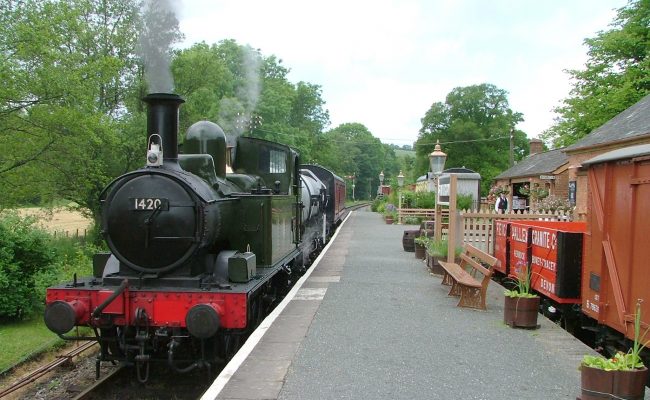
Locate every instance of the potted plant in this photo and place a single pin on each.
(421, 243)
(621, 377)
(438, 250)
(521, 305)
(390, 213)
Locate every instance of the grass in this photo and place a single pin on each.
(20, 341)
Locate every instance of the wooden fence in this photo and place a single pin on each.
(477, 227)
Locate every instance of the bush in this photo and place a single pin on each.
(464, 201)
(378, 205)
(25, 251)
(425, 200)
(31, 260)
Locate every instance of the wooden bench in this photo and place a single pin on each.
(463, 278)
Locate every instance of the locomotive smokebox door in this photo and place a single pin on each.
(242, 267)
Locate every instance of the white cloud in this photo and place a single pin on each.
(383, 63)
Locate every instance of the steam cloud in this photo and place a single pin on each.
(235, 113)
(160, 27)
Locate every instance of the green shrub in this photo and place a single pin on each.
(25, 252)
(378, 205)
(73, 257)
(425, 200)
(464, 201)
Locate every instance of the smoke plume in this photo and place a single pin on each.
(235, 113)
(159, 31)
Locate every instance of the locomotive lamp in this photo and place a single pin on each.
(154, 154)
(400, 183)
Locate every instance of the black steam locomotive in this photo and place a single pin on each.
(202, 245)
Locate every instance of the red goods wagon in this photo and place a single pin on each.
(616, 268)
(556, 259)
(501, 245)
(553, 249)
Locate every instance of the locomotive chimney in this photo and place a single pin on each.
(162, 120)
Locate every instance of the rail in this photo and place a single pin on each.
(39, 372)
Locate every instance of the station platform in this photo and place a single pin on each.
(370, 322)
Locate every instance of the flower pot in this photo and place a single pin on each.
(596, 384)
(389, 220)
(420, 251)
(630, 384)
(521, 312)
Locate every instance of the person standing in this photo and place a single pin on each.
(501, 205)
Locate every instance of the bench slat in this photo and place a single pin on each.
(476, 265)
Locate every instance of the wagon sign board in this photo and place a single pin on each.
(552, 249)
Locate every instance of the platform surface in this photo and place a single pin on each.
(371, 322)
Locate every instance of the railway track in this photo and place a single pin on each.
(45, 369)
(119, 377)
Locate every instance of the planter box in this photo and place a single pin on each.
(434, 266)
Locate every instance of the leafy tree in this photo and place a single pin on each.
(70, 72)
(617, 75)
(351, 150)
(473, 126)
(246, 92)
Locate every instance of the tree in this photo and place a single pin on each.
(617, 75)
(351, 150)
(70, 71)
(245, 92)
(473, 126)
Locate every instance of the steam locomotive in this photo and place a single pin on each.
(202, 245)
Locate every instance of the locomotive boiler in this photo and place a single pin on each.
(200, 250)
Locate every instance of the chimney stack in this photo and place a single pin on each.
(536, 146)
(162, 119)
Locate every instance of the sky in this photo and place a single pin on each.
(383, 63)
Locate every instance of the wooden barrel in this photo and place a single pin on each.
(408, 239)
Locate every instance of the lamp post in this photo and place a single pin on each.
(437, 163)
(381, 184)
(400, 182)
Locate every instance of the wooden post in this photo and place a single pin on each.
(451, 235)
(437, 222)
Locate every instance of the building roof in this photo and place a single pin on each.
(618, 154)
(634, 121)
(536, 164)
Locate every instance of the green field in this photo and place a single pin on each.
(20, 341)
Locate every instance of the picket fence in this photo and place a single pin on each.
(476, 227)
